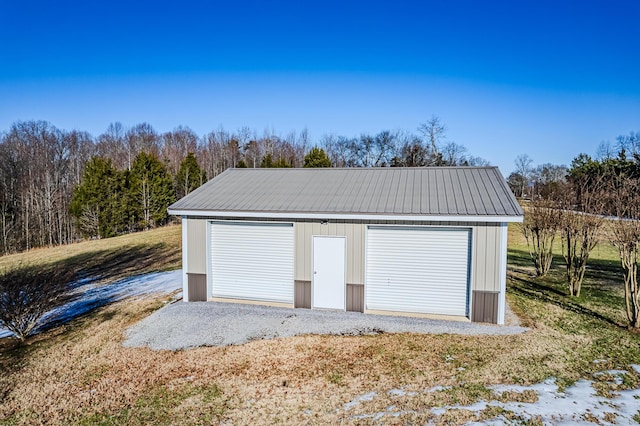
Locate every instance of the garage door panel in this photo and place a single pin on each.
(422, 270)
(252, 261)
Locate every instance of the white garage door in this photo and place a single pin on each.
(252, 261)
(421, 270)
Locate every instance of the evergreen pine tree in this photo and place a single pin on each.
(267, 161)
(189, 176)
(317, 158)
(152, 189)
(93, 200)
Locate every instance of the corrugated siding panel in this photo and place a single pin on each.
(480, 259)
(304, 232)
(252, 261)
(485, 307)
(485, 255)
(486, 260)
(196, 246)
(355, 234)
(355, 297)
(356, 255)
(302, 294)
(197, 287)
(421, 270)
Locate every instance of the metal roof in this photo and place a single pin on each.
(418, 193)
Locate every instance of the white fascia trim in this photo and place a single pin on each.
(355, 216)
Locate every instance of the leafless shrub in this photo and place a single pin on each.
(625, 236)
(579, 238)
(541, 223)
(581, 221)
(27, 293)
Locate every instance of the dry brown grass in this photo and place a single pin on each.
(80, 373)
(157, 249)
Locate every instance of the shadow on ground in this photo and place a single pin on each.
(96, 278)
(548, 294)
(114, 264)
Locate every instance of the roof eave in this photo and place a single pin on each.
(347, 216)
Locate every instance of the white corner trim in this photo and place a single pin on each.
(344, 216)
(502, 297)
(185, 260)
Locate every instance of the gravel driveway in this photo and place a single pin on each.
(187, 325)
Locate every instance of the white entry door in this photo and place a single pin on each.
(329, 272)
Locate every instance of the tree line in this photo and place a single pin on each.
(57, 186)
(591, 202)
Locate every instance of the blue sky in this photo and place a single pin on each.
(551, 79)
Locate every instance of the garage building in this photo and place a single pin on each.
(428, 241)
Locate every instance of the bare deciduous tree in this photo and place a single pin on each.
(29, 292)
(625, 236)
(434, 131)
(542, 220)
(580, 229)
(176, 145)
(523, 168)
(579, 238)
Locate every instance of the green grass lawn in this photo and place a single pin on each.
(79, 373)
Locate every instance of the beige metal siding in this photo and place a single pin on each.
(486, 258)
(196, 246)
(354, 233)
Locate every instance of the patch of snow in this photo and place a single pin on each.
(569, 407)
(362, 398)
(389, 411)
(575, 405)
(88, 294)
(599, 361)
(616, 374)
(636, 368)
(400, 392)
(476, 407)
(548, 385)
(438, 411)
